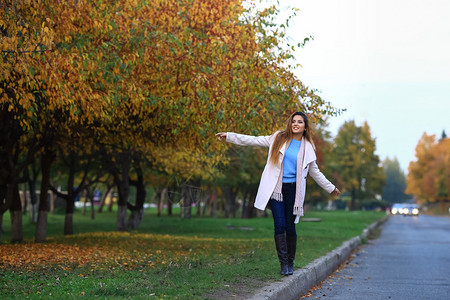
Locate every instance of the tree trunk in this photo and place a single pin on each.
(41, 226)
(230, 201)
(70, 199)
(5, 203)
(198, 205)
(161, 200)
(16, 226)
(105, 196)
(68, 224)
(157, 196)
(1, 227)
(214, 205)
(33, 199)
(206, 202)
(137, 211)
(353, 199)
(186, 207)
(122, 180)
(34, 213)
(245, 204)
(135, 218)
(102, 202)
(24, 199)
(86, 193)
(111, 202)
(91, 199)
(52, 199)
(121, 218)
(70, 208)
(16, 215)
(251, 204)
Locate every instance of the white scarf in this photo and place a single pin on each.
(277, 194)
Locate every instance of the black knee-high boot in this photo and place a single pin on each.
(291, 242)
(281, 245)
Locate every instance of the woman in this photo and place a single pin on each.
(283, 182)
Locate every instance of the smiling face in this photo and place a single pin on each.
(298, 125)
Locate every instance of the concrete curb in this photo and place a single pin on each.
(298, 284)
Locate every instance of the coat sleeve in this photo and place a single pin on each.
(318, 177)
(248, 140)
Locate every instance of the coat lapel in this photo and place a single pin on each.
(310, 154)
(283, 149)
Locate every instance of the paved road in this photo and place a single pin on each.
(410, 260)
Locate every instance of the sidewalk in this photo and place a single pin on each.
(298, 284)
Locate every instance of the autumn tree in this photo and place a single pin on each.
(429, 175)
(19, 41)
(420, 179)
(355, 161)
(40, 88)
(394, 190)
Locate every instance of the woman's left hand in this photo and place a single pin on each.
(336, 192)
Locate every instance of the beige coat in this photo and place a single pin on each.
(271, 172)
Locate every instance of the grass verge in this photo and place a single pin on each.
(167, 258)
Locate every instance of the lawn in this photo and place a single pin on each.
(166, 258)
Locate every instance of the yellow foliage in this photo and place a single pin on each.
(159, 76)
(429, 176)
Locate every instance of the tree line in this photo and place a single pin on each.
(130, 91)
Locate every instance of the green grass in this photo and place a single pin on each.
(167, 257)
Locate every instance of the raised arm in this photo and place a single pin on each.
(244, 140)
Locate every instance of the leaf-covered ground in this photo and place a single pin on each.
(154, 262)
(116, 249)
(202, 258)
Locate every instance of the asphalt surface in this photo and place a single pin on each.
(410, 260)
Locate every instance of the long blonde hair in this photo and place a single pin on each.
(286, 135)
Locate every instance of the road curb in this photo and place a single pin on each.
(298, 284)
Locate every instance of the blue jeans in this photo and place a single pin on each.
(282, 212)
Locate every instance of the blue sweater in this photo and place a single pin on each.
(290, 162)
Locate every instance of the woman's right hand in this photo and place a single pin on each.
(221, 136)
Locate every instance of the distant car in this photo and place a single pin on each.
(397, 208)
(411, 210)
(406, 209)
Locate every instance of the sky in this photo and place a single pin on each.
(386, 62)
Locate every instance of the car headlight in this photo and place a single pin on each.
(405, 211)
(400, 211)
(394, 211)
(415, 211)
